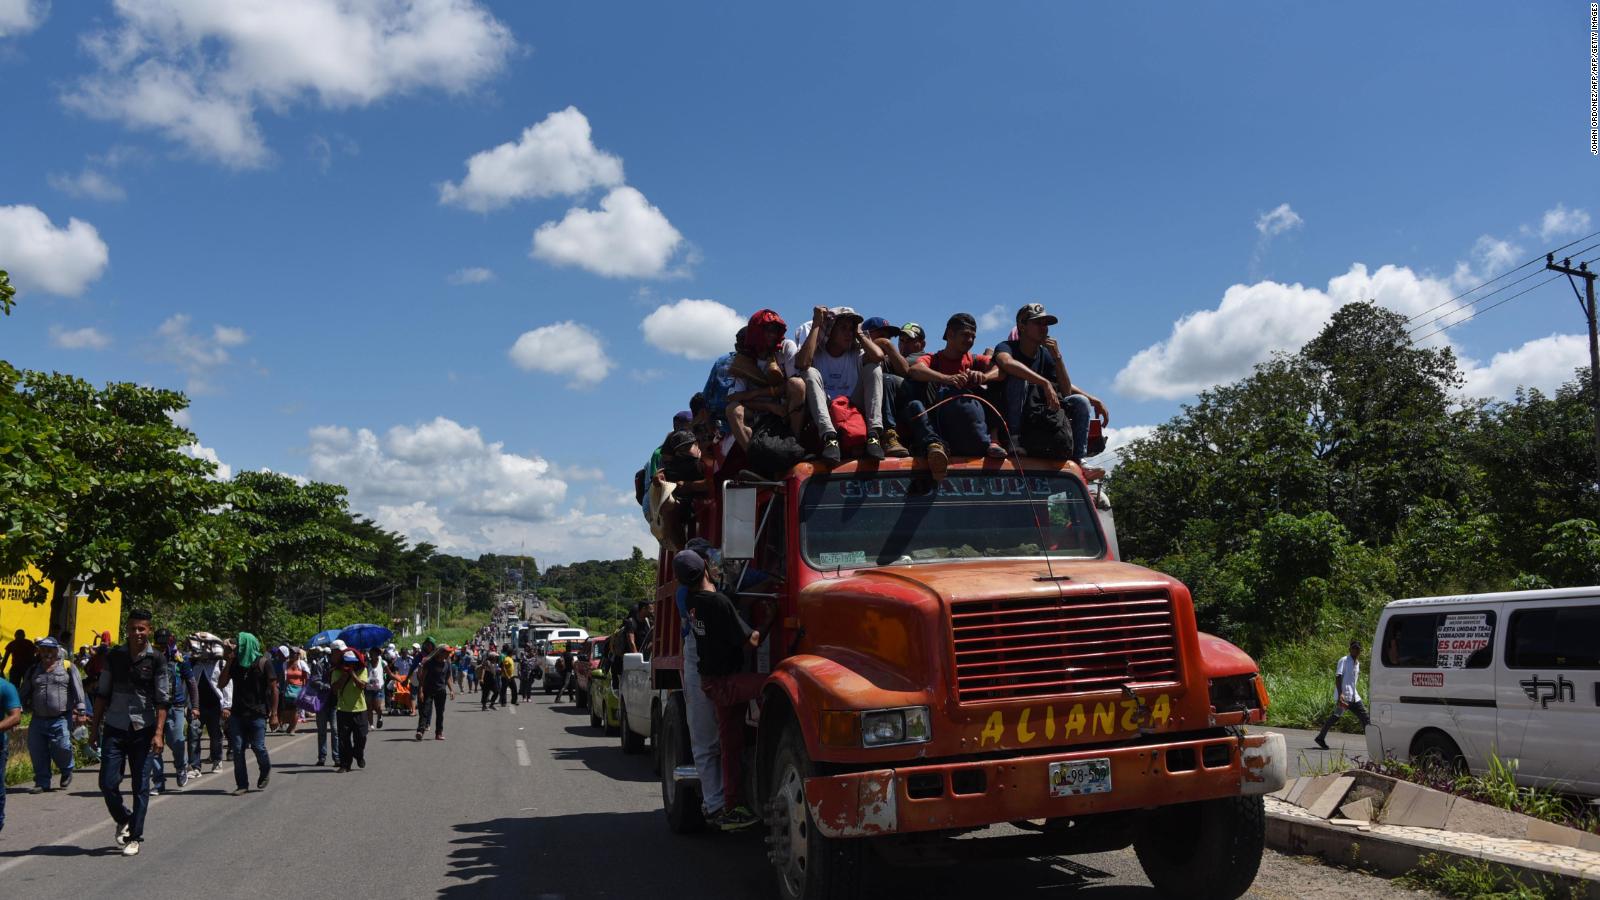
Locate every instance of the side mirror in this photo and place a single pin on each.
(738, 521)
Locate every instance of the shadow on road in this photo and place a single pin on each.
(607, 760)
(558, 857)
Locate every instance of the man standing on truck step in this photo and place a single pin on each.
(701, 715)
(1345, 693)
(722, 637)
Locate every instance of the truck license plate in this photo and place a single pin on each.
(1083, 776)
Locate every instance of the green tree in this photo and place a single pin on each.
(1571, 556)
(8, 294)
(132, 511)
(287, 530)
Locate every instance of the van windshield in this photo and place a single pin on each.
(894, 519)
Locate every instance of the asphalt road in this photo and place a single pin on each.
(525, 802)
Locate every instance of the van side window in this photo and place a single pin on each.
(1557, 637)
(1459, 639)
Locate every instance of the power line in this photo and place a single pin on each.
(1503, 287)
(1485, 309)
(1502, 275)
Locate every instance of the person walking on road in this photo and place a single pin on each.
(214, 698)
(255, 707)
(131, 701)
(432, 677)
(53, 693)
(489, 677)
(10, 717)
(177, 718)
(296, 675)
(508, 676)
(322, 670)
(349, 686)
(1346, 695)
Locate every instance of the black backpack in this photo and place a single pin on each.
(774, 450)
(1046, 432)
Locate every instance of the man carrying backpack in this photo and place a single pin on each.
(53, 693)
(131, 701)
(1045, 412)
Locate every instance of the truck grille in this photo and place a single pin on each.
(1041, 647)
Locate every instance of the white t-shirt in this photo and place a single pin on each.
(784, 353)
(839, 373)
(1349, 673)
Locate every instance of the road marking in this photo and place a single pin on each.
(82, 833)
(522, 754)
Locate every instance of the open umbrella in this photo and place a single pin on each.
(323, 638)
(366, 637)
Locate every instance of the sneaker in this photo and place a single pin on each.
(322, 760)
(131, 848)
(240, 792)
(874, 448)
(830, 449)
(892, 445)
(1320, 742)
(157, 790)
(38, 789)
(261, 783)
(938, 462)
(66, 780)
(212, 769)
(419, 735)
(736, 819)
(181, 782)
(996, 451)
(438, 737)
(361, 763)
(124, 834)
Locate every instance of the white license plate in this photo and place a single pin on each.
(1083, 776)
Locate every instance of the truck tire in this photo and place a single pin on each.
(632, 744)
(809, 865)
(1208, 850)
(681, 803)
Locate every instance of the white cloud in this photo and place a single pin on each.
(1545, 363)
(578, 472)
(565, 348)
(42, 257)
(198, 354)
(89, 183)
(1278, 221)
(1117, 440)
(994, 318)
(695, 329)
(625, 238)
(197, 70)
(183, 418)
(471, 275)
(199, 451)
(1213, 346)
(78, 338)
(1494, 256)
(556, 157)
(1562, 222)
(18, 17)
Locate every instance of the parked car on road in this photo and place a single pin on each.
(1514, 674)
(591, 657)
(605, 707)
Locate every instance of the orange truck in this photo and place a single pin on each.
(946, 656)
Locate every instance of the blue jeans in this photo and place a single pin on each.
(327, 734)
(130, 749)
(49, 739)
(177, 725)
(962, 425)
(1077, 406)
(254, 732)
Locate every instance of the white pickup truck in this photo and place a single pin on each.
(640, 704)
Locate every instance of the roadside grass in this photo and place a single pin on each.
(1300, 683)
(1481, 879)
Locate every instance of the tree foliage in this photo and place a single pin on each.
(1333, 479)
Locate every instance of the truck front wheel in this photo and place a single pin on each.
(811, 866)
(1208, 850)
(681, 802)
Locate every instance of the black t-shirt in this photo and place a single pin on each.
(720, 634)
(252, 687)
(682, 468)
(436, 676)
(1042, 362)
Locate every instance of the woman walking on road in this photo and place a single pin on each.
(296, 675)
(489, 677)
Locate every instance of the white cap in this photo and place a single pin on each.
(416, 646)
(339, 645)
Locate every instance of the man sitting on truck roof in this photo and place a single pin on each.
(721, 638)
(961, 422)
(894, 370)
(765, 378)
(837, 360)
(1034, 371)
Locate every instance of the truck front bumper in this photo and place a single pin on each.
(976, 794)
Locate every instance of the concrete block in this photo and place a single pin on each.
(1326, 804)
(1361, 810)
(1314, 788)
(1283, 792)
(1550, 833)
(1471, 817)
(1419, 807)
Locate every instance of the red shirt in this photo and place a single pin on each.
(944, 365)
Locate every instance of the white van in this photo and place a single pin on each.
(1513, 674)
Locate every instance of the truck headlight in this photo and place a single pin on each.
(906, 725)
(1234, 693)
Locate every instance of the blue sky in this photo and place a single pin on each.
(277, 210)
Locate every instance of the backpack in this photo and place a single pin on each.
(639, 486)
(848, 424)
(1046, 432)
(773, 448)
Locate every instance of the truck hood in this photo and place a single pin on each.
(960, 580)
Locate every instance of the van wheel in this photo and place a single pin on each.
(1208, 850)
(1437, 747)
(682, 803)
(810, 865)
(631, 743)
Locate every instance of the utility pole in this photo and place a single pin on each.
(1586, 300)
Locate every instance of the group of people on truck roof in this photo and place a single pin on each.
(845, 385)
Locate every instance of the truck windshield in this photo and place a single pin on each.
(857, 520)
